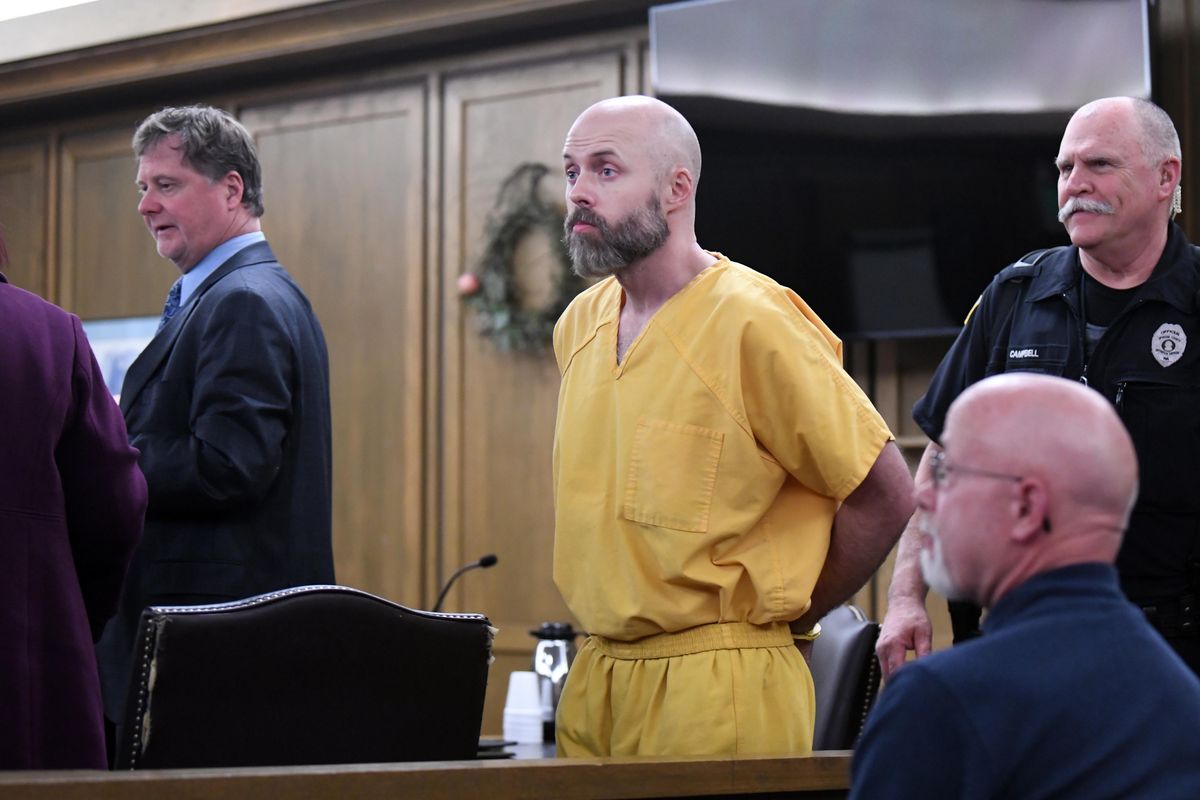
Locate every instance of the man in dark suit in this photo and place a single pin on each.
(71, 506)
(229, 403)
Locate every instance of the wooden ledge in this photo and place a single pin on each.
(821, 775)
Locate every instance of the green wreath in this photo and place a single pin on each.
(492, 292)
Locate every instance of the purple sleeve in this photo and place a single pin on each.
(103, 488)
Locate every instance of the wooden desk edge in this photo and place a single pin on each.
(822, 774)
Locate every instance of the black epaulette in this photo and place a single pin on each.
(1027, 266)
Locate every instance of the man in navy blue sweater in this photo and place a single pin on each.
(1069, 693)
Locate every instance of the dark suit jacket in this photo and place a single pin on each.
(229, 406)
(71, 505)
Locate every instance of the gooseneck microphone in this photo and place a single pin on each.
(483, 563)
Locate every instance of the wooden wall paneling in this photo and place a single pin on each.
(873, 365)
(54, 204)
(640, 55)
(24, 214)
(899, 372)
(296, 40)
(434, 286)
(499, 408)
(916, 361)
(1176, 36)
(1189, 116)
(344, 179)
(108, 263)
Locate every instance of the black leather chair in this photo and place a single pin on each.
(310, 675)
(845, 676)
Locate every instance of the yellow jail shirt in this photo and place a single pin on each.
(696, 481)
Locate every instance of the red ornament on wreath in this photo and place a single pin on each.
(467, 284)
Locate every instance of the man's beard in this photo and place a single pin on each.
(612, 248)
(1083, 204)
(933, 566)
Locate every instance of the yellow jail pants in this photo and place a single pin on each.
(720, 689)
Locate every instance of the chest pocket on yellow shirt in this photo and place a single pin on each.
(672, 473)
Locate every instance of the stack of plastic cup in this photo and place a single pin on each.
(523, 708)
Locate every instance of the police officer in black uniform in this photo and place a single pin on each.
(1118, 310)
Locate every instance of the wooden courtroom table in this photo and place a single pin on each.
(821, 775)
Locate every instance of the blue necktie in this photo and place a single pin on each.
(172, 304)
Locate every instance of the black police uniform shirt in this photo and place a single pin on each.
(1147, 363)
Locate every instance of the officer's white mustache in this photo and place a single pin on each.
(1083, 204)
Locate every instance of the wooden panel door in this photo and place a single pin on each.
(109, 265)
(344, 180)
(498, 407)
(23, 215)
(1175, 31)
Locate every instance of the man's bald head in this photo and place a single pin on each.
(1057, 429)
(664, 133)
(1036, 473)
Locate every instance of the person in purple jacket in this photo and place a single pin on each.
(72, 501)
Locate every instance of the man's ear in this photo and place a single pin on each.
(681, 188)
(1168, 176)
(1033, 511)
(235, 189)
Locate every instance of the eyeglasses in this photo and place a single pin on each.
(942, 470)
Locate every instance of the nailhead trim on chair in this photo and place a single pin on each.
(262, 599)
(143, 700)
(873, 677)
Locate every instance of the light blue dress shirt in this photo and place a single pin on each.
(215, 258)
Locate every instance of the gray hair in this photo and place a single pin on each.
(212, 142)
(1160, 140)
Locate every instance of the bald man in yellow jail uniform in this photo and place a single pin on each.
(720, 481)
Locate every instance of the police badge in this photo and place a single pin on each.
(1168, 344)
